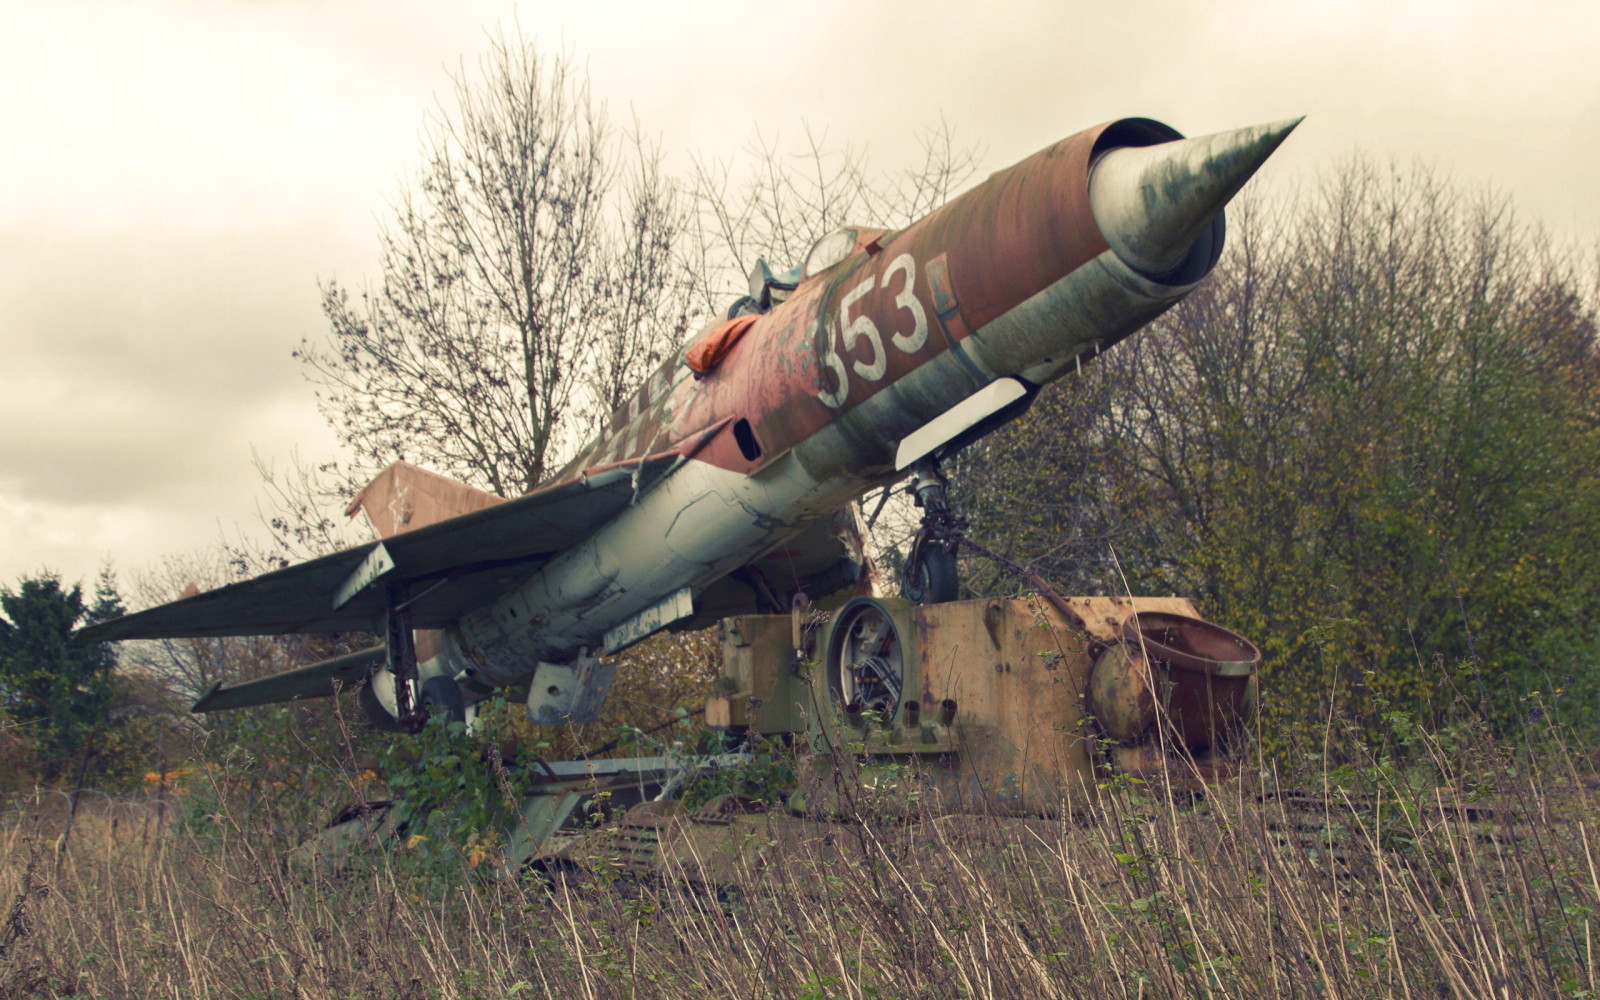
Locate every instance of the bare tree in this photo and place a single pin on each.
(522, 286)
(539, 267)
(774, 204)
(651, 289)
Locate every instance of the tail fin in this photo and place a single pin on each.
(404, 497)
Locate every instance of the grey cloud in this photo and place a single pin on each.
(132, 366)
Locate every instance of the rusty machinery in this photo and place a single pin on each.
(1002, 707)
(1014, 707)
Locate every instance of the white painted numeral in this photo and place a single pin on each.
(841, 340)
(862, 326)
(831, 362)
(907, 300)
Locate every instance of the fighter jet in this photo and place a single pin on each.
(726, 485)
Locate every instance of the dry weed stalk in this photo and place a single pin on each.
(1384, 886)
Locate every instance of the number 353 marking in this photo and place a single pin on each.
(908, 338)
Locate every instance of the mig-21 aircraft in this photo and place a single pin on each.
(725, 486)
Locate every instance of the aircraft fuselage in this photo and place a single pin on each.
(1014, 279)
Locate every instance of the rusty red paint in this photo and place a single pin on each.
(960, 268)
(1191, 643)
(972, 260)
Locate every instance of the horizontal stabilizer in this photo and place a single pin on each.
(319, 680)
(446, 568)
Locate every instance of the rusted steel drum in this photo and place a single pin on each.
(1192, 644)
(1199, 678)
(1120, 696)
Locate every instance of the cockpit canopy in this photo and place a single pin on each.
(769, 288)
(828, 251)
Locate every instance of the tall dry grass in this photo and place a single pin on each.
(1376, 883)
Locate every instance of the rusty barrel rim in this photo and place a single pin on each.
(1186, 643)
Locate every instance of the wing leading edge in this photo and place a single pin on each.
(450, 567)
(318, 680)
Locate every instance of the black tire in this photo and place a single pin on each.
(932, 578)
(442, 696)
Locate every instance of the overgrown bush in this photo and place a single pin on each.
(1366, 442)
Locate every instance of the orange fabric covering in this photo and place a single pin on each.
(708, 351)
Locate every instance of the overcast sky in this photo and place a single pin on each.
(177, 175)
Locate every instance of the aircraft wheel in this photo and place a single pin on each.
(865, 659)
(443, 695)
(932, 577)
(374, 711)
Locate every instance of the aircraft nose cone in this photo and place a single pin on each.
(1152, 202)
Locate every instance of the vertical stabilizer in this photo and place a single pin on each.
(404, 497)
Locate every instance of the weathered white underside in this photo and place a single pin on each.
(703, 522)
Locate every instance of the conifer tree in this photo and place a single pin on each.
(55, 685)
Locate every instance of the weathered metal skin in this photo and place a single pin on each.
(1021, 739)
(1013, 278)
(873, 361)
(912, 298)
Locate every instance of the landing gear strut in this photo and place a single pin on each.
(402, 661)
(930, 575)
(415, 700)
